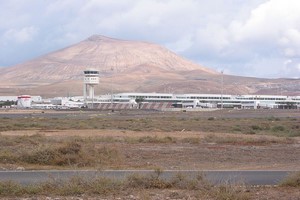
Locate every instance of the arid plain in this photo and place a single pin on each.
(137, 139)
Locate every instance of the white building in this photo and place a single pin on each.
(207, 100)
(24, 101)
(91, 78)
(175, 100)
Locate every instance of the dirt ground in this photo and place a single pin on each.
(190, 150)
(189, 155)
(261, 193)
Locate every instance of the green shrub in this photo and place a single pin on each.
(9, 188)
(293, 134)
(237, 128)
(7, 157)
(256, 127)
(191, 140)
(278, 128)
(272, 118)
(250, 132)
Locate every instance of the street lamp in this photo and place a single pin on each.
(222, 84)
(111, 92)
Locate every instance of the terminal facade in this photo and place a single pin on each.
(152, 100)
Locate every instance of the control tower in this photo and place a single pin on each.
(91, 78)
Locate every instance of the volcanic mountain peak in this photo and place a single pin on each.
(102, 53)
(125, 66)
(102, 38)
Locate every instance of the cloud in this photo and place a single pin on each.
(252, 38)
(273, 29)
(22, 35)
(259, 43)
(290, 42)
(270, 20)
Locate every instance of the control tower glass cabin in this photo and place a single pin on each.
(91, 78)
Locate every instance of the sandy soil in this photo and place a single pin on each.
(183, 155)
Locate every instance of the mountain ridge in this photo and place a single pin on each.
(126, 66)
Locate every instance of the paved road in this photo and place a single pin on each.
(215, 177)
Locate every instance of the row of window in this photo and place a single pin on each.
(204, 97)
(149, 97)
(210, 97)
(91, 72)
(91, 79)
(261, 98)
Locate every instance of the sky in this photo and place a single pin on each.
(257, 38)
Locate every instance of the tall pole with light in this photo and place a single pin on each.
(222, 85)
(111, 92)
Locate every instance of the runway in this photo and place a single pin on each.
(215, 177)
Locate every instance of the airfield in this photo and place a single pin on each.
(228, 139)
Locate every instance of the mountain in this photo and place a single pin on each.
(102, 53)
(126, 66)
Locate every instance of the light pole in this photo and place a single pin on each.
(111, 92)
(222, 83)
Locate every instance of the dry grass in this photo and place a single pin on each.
(103, 187)
(38, 150)
(238, 140)
(283, 127)
(104, 151)
(293, 180)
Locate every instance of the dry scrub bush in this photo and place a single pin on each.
(10, 188)
(73, 153)
(293, 180)
(150, 139)
(155, 181)
(227, 192)
(212, 138)
(70, 153)
(146, 182)
(155, 139)
(191, 140)
(104, 187)
(21, 140)
(180, 181)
